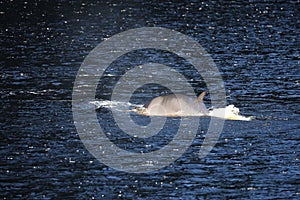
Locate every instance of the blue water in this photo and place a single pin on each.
(255, 46)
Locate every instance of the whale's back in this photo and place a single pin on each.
(176, 105)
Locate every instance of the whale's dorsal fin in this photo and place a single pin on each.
(201, 96)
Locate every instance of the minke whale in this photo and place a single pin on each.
(172, 105)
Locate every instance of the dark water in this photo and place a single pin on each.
(255, 46)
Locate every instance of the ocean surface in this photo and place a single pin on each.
(255, 46)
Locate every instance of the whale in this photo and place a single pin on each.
(175, 105)
(178, 105)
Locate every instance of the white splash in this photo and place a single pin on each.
(230, 112)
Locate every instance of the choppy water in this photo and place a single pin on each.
(255, 46)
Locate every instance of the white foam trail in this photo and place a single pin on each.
(117, 105)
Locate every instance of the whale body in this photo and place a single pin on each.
(176, 105)
(181, 105)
